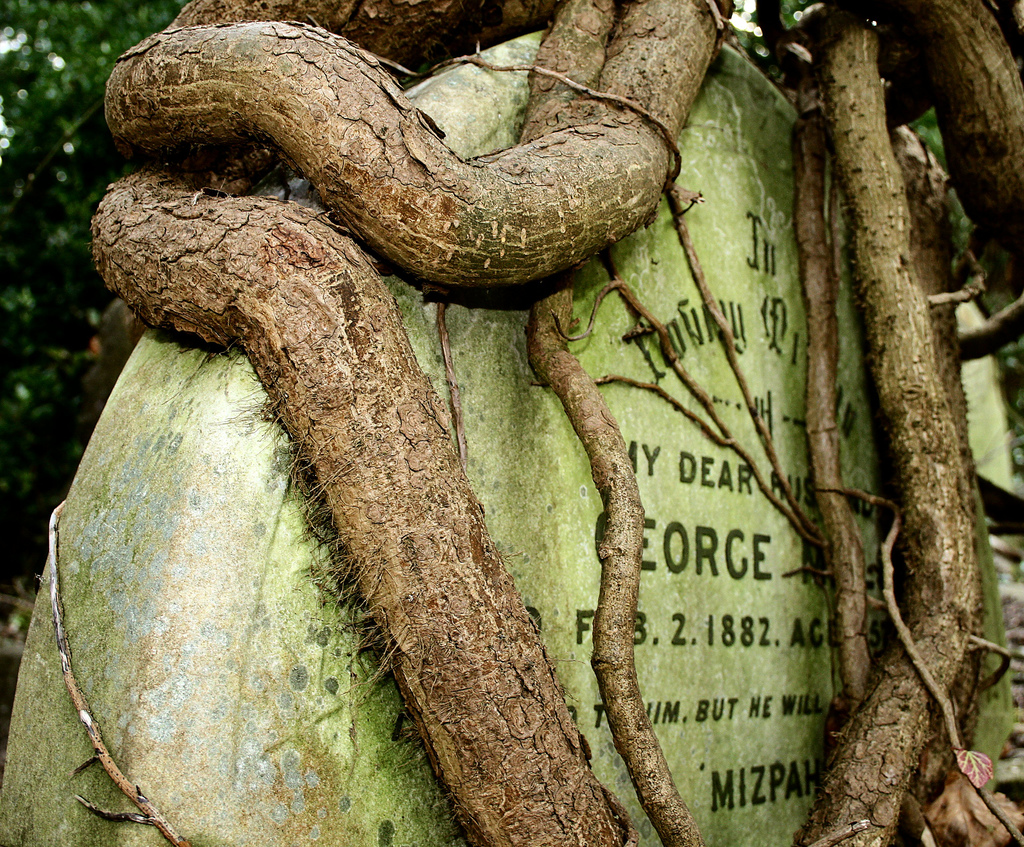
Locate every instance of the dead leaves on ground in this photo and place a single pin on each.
(960, 818)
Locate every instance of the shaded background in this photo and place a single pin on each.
(56, 159)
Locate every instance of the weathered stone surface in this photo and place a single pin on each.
(986, 410)
(990, 440)
(223, 683)
(234, 695)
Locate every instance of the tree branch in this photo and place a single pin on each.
(844, 551)
(677, 202)
(1004, 327)
(407, 32)
(150, 814)
(979, 101)
(577, 39)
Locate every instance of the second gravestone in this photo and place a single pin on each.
(232, 689)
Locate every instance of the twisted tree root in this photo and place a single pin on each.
(326, 340)
(344, 123)
(309, 313)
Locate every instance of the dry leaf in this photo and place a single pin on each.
(960, 818)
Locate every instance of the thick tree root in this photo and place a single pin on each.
(575, 45)
(931, 255)
(328, 346)
(887, 733)
(979, 101)
(326, 340)
(379, 163)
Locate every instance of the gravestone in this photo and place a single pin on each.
(232, 688)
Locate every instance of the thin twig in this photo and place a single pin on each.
(613, 284)
(401, 70)
(697, 392)
(1000, 813)
(729, 343)
(117, 817)
(972, 290)
(723, 439)
(1005, 657)
(150, 815)
(906, 639)
(721, 26)
(30, 180)
(840, 835)
(999, 649)
(860, 494)
(453, 384)
(586, 91)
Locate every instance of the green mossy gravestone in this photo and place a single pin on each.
(232, 690)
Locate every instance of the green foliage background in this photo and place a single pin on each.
(56, 159)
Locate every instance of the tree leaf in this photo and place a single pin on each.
(977, 767)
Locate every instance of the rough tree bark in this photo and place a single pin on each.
(844, 552)
(931, 258)
(403, 32)
(979, 101)
(326, 339)
(871, 770)
(304, 303)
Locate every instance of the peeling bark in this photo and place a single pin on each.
(877, 753)
(326, 340)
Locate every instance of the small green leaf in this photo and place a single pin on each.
(977, 767)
